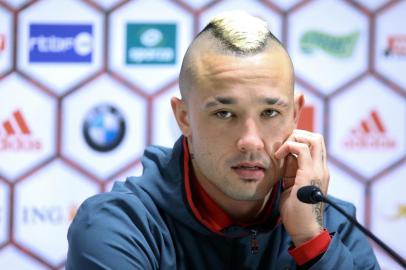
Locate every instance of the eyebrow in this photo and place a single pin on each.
(273, 101)
(221, 100)
(230, 101)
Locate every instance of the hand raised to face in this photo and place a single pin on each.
(305, 164)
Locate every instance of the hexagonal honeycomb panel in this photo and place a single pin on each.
(369, 134)
(104, 126)
(27, 133)
(389, 206)
(149, 43)
(53, 45)
(46, 203)
(86, 85)
(390, 49)
(336, 43)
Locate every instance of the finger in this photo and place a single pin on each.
(315, 143)
(301, 150)
(290, 166)
(289, 174)
(315, 139)
(318, 152)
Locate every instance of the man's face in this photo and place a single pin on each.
(240, 111)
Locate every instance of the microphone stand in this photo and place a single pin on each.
(312, 195)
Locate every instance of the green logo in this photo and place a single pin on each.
(338, 46)
(153, 43)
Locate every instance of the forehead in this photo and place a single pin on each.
(265, 75)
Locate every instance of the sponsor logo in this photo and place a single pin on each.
(396, 45)
(2, 42)
(151, 43)
(60, 43)
(401, 212)
(337, 46)
(371, 134)
(306, 119)
(54, 215)
(15, 135)
(104, 128)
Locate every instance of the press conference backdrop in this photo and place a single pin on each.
(85, 87)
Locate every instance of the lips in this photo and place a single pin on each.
(249, 170)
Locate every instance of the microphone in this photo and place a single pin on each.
(313, 195)
(310, 194)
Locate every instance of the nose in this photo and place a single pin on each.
(250, 139)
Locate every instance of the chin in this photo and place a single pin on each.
(248, 197)
(244, 195)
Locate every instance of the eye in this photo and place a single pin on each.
(270, 113)
(223, 114)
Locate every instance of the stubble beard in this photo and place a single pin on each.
(242, 189)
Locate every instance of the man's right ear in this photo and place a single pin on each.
(180, 112)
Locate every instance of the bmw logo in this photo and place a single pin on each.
(104, 128)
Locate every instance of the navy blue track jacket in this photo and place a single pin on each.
(146, 223)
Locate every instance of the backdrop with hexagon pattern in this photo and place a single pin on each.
(85, 87)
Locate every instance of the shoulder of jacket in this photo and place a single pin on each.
(336, 221)
(111, 205)
(347, 206)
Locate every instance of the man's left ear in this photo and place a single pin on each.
(299, 102)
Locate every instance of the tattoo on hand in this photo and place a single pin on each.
(318, 207)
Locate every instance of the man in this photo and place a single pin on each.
(225, 196)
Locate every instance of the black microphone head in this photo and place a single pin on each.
(310, 194)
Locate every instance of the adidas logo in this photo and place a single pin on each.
(370, 134)
(15, 134)
(19, 127)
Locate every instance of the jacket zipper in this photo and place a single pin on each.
(254, 242)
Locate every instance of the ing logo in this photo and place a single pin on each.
(48, 214)
(72, 210)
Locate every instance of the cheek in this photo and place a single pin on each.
(211, 150)
(209, 133)
(274, 137)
